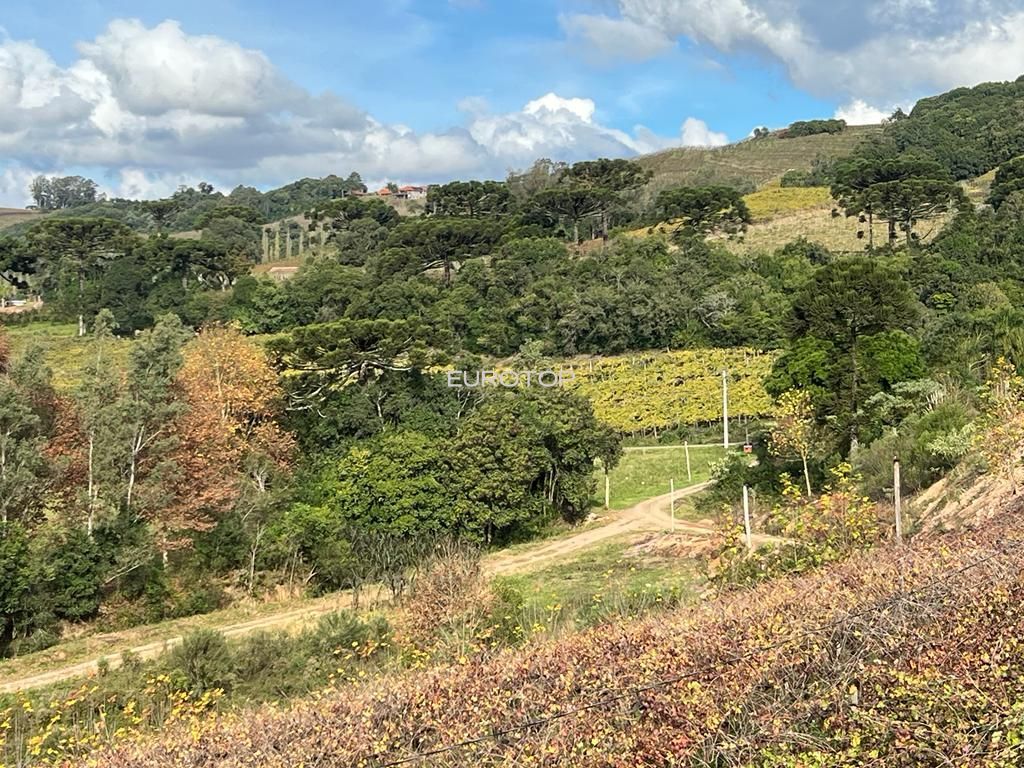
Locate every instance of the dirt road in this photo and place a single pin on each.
(649, 515)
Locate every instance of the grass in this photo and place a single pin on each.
(772, 201)
(602, 579)
(11, 216)
(63, 350)
(749, 164)
(92, 646)
(978, 189)
(643, 473)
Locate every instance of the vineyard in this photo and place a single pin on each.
(895, 657)
(645, 393)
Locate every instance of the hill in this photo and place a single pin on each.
(11, 216)
(893, 657)
(751, 163)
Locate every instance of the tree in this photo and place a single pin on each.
(847, 339)
(860, 184)
(609, 179)
(102, 426)
(543, 174)
(572, 201)
(70, 253)
(61, 192)
(474, 199)
(795, 431)
(330, 356)
(444, 241)
(148, 404)
(495, 459)
(22, 437)
(704, 210)
(1009, 179)
(227, 435)
(396, 483)
(906, 202)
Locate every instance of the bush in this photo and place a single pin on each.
(344, 630)
(262, 655)
(204, 661)
(447, 591)
(812, 127)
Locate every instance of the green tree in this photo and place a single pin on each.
(704, 210)
(1009, 180)
(847, 339)
(71, 253)
(396, 483)
(495, 458)
(795, 431)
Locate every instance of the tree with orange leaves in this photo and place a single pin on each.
(230, 449)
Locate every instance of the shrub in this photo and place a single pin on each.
(204, 661)
(445, 593)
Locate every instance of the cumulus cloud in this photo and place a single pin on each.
(695, 133)
(888, 51)
(859, 112)
(154, 107)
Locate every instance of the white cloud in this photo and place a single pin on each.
(155, 107)
(623, 38)
(696, 133)
(892, 51)
(859, 112)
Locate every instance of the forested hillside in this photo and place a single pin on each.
(180, 433)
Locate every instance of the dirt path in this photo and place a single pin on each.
(153, 649)
(649, 515)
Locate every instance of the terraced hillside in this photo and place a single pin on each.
(749, 163)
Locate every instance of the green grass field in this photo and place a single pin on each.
(603, 582)
(643, 473)
(63, 351)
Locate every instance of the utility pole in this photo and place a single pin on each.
(896, 498)
(725, 410)
(746, 519)
(689, 475)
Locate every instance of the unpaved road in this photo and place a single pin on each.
(649, 515)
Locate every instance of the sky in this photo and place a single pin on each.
(144, 96)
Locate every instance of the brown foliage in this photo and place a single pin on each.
(5, 352)
(897, 657)
(232, 399)
(447, 591)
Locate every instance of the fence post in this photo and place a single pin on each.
(896, 498)
(746, 519)
(672, 500)
(689, 475)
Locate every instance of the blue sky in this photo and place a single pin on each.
(147, 95)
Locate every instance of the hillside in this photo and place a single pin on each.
(894, 657)
(750, 163)
(11, 216)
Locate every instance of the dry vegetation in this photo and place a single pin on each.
(11, 216)
(750, 163)
(893, 657)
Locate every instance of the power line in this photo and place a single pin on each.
(632, 692)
